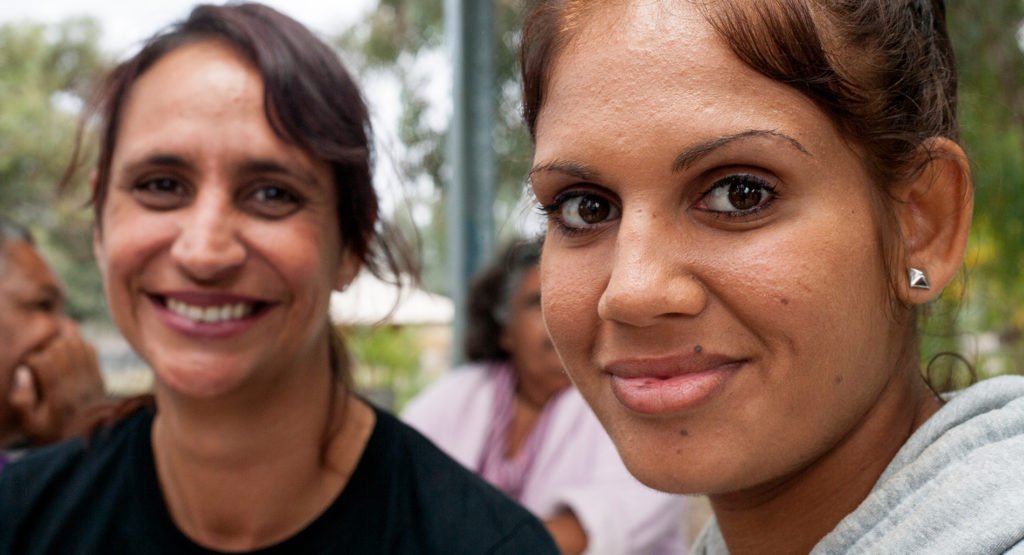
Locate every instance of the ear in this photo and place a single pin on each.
(934, 213)
(347, 270)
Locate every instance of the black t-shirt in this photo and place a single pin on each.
(405, 496)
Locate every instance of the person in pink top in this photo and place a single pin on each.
(512, 416)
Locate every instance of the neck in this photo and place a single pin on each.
(793, 513)
(247, 472)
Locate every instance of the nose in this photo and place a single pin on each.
(652, 276)
(208, 246)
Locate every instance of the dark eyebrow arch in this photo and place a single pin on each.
(162, 160)
(258, 165)
(574, 169)
(694, 153)
(274, 167)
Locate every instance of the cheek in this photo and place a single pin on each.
(572, 288)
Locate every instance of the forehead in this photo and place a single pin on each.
(658, 68)
(22, 269)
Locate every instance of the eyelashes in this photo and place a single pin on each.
(580, 211)
(739, 197)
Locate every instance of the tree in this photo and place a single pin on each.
(45, 72)
(989, 41)
(403, 40)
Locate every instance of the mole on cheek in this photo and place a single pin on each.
(839, 379)
(784, 301)
(698, 349)
(684, 432)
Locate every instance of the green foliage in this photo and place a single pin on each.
(45, 71)
(988, 38)
(399, 40)
(388, 358)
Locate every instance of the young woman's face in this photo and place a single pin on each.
(219, 242)
(712, 274)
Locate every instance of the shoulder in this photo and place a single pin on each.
(454, 509)
(459, 384)
(956, 484)
(460, 395)
(61, 486)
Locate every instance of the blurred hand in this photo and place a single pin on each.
(54, 384)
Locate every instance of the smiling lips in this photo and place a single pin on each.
(208, 314)
(669, 384)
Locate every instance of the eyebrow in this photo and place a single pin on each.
(684, 160)
(574, 169)
(694, 153)
(258, 165)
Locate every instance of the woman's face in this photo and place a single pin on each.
(220, 243)
(538, 369)
(713, 279)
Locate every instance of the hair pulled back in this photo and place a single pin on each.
(882, 70)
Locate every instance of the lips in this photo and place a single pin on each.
(235, 311)
(216, 313)
(672, 384)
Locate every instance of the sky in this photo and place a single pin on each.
(127, 22)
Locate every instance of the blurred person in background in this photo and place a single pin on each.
(512, 416)
(48, 373)
(233, 193)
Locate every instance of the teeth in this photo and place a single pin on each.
(210, 314)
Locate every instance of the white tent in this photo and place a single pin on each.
(368, 301)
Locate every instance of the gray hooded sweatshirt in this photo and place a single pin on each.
(956, 486)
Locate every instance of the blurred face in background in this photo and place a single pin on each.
(524, 337)
(30, 314)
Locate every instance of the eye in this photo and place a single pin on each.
(738, 195)
(579, 211)
(160, 193)
(274, 201)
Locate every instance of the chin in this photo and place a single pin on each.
(200, 382)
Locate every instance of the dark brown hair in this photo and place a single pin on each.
(489, 297)
(883, 70)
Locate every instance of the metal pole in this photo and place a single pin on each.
(469, 25)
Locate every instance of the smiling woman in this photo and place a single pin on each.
(232, 194)
(747, 204)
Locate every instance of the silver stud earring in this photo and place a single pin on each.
(917, 279)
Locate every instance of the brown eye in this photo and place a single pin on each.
(593, 210)
(160, 193)
(738, 194)
(744, 197)
(586, 210)
(273, 201)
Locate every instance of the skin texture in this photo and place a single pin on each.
(538, 370)
(206, 203)
(800, 382)
(30, 315)
(49, 372)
